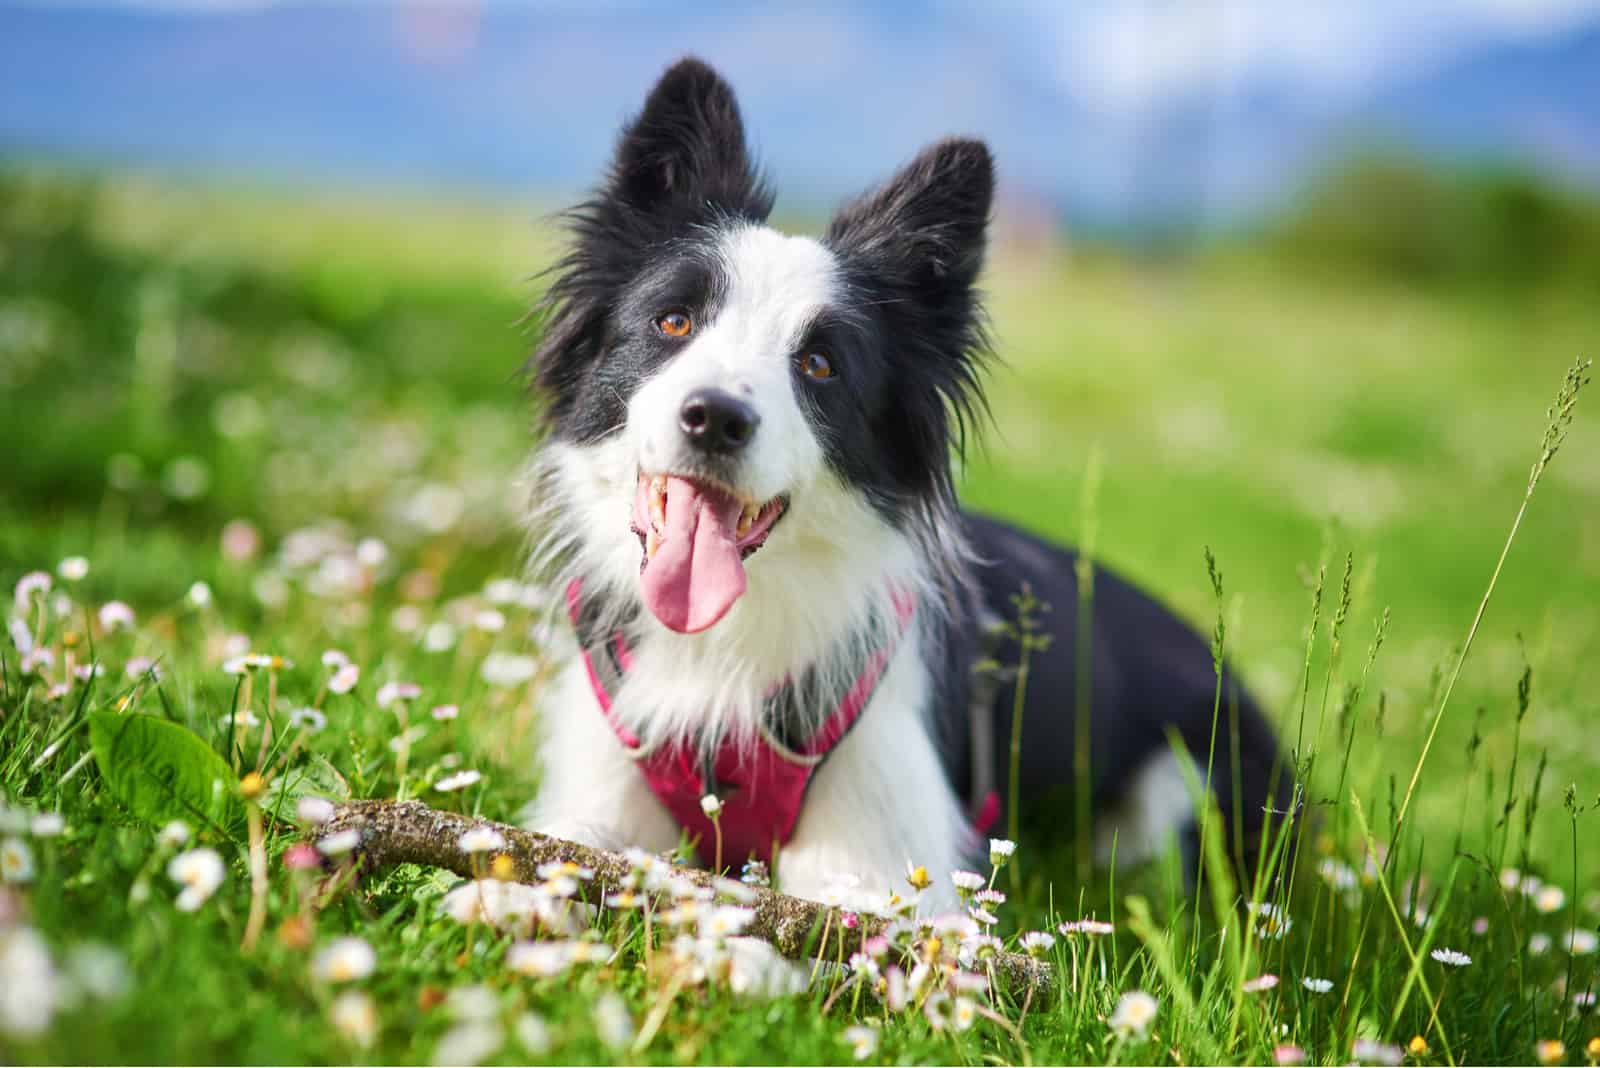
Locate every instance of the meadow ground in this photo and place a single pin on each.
(309, 407)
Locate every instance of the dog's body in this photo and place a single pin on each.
(715, 388)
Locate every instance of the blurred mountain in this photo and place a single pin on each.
(528, 98)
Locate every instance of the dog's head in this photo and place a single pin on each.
(713, 386)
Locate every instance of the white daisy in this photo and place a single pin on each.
(459, 781)
(1135, 1012)
(345, 960)
(355, 1017)
(199, 872)
(481, 840)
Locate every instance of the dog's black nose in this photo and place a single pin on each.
(716, 421)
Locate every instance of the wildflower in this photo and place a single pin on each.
(199, 595)
(313, 810)
(711, 805)
(199, 872)
(984, 916)
(1418, 1046)
(533, 1034)
(138, 667)
(344, 680)
(98, 969)
(1317, 986)
(115, 615)
(1580, 940)
(552, 869)
(1480, 926)
(309, 718)
(504, 905)
(438, 638)
(301, 857)
(245, 662)
(1374, 1052)
(489, 620)
(1288, 1054)
(339, 842)
(21, 636)
(34, 583)
(345, 960)
(371, 553)
(1549, 1050)
(471, 1042)
(543, 960)
(481, 840)
(30, 988)
(725, 921)
(896, 991)
(502, 591)
(1549, 898)
(48, 824)
(1583, 1001)
(355, 1017)
(1451, 957)
(73, 568)
(1260, 984)
(445, 712)
(174, 834)
(969, 983)
(863, 1041)
(1001, 850)
(1538, 944)
(1134, 1014)
(990, 899)
(939, 1010)
(1592, 1050)
(967, 883)
(16, 861)
(1085, 927)
(1037, 943)
(612, 1021)
(459, 781)
(918, 877)
(1274, 922)
(507, 669)
(390, 692)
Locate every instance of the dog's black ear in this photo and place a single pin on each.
(925, 226)
(686, 150)
(680, 164)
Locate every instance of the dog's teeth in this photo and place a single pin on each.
(744, 524)
(747, 518)
(652, 542)
(658, 501)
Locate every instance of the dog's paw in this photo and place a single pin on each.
(584, 833)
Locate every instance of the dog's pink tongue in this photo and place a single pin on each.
(696, 574)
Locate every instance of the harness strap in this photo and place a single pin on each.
(762, 786)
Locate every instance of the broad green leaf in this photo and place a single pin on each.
(162, 771)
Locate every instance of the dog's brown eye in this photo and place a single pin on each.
(816, 366)
(675, 324)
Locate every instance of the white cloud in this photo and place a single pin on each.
(1124, 58)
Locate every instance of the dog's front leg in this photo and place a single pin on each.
(880, 803)
(591, 790)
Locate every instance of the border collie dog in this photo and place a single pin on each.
(771, 606)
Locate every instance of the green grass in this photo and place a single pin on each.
(348, 366)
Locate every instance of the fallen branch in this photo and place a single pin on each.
(409, 832)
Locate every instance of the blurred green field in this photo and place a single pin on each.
(176, 357)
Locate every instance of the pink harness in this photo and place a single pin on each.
(760, 786)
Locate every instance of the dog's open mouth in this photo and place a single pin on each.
(695, 536)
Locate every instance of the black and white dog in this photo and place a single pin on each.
(744, 498)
